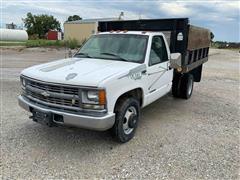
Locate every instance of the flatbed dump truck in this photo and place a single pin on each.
(123, 68)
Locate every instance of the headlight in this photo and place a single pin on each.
(94, 99)
(93, 96)
(23, 82)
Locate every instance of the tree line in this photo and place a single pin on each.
(225, 45)
(39, 25)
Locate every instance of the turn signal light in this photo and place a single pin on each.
(102, 97)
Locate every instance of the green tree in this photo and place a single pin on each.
(40, 24)
(74, 18)
(212, 35)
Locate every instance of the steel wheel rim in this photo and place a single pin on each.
(130, 111)
(190, 87)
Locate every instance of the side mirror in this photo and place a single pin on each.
(175, 60)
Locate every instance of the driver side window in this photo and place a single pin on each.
(158, 52)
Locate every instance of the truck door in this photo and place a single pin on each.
(159, 75)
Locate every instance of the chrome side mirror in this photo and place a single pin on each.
(175, 60)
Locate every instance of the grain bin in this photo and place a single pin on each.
(13, 35)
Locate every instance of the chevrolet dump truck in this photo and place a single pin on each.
(123, 68)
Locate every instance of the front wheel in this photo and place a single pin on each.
(127, 117)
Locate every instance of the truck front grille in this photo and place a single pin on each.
(53, 88)
(52, 95)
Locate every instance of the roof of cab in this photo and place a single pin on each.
(129, 32)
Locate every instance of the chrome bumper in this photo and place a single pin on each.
(89, 122)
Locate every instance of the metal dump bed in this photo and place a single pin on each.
(191, 41)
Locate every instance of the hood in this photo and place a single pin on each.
(79, 71)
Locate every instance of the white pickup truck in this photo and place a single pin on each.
(107, 82)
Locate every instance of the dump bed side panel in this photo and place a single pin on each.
(198, 38)
(197, 47)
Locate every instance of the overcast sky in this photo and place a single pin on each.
(220, 16)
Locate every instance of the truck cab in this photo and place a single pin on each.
(106, 83)
(151, 74)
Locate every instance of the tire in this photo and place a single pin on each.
(186, 86)
(176, 85)
(124, 128)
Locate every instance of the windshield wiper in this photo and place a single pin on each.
(115, 55)
(83, 54)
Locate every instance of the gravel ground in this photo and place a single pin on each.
(176, 139)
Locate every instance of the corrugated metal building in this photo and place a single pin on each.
(82, 29)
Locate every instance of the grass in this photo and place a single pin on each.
(71, 43)
(44, 43)
(12, 43)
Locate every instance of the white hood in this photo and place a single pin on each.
(79, 71)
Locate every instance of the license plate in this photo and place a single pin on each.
(42, 117)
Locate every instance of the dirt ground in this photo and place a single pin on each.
(176, 139)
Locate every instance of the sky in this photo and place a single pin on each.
(222, 17)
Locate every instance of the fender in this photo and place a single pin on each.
(117, 86)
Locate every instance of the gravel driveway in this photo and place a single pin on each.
(176, 139)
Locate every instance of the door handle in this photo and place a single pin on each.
(168, 65)
(144, 71)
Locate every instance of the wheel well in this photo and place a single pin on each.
(135, 93)
(197, 74)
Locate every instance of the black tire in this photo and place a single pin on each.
(121, 110)
(186, 86)
(176, 85)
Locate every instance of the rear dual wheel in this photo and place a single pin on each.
(182, 86)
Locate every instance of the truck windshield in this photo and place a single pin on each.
(120, 47)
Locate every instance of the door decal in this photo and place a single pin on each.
(163, 71)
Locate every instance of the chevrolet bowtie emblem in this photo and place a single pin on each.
(45, 94)
(73, 101)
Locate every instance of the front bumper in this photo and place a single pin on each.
(83, 121)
